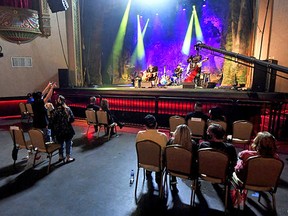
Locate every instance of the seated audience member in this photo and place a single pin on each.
(264, 144)
(216, 114)
(197, 113)
(152, 133)
(215, 136)
(182, 136)
(92, 105)
(30, 98)
(104, 105)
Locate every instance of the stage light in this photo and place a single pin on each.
(198, 30)
(188, 37)
(119, 41)
(204, 3)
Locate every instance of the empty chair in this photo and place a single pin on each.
(241, 132)
(179, 163)
(39, 145)
(103, 122)
(91, 118)
(30, 112)
(197, 126)
(174, 121)
(19, 141)
(23, 110)
(262, 175)
(222, 123)
(213, 167)
(149, 157)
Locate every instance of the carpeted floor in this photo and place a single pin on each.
(97, 183)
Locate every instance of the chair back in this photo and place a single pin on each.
(37, 139)
(22, 107)
(197, 126)
(29, 109)
(102, 117)
(149, 155)
(174, 121)
(213, 165)
(242, 130)
(91, 116)
(18, 137)
(178, 161)
(222, 123)
(263, 173)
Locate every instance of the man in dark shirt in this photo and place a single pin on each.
(197, 113)
(215, 136)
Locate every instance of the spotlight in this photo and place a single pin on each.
(204, 3)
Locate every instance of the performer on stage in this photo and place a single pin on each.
(152, 74)
(178, 74)
(194, 69)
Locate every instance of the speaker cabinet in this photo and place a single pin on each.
(264, 78)
(63, 75)
(58, 5)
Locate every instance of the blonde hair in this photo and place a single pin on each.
(182, 136)
(265, 144)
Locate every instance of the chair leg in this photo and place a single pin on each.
(193, 192)
(226, 197)
(50, 158)
(136, 184)
(87, 129)
(273, 201)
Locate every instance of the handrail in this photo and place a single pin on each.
(248, 59)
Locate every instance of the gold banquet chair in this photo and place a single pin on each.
(263, 175)
(179, 163)
(174, 121)
(39, 145)
(222, 123)
(30, 112)
(149, 157)
(23, 110)
(241, 132)
(102, 118)
(91, 118)
(19, 141)
(197, 126)
(213, 167)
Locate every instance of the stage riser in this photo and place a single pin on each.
(132, 109)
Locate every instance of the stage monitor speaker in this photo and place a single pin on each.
(58, 5)
(63, 75)
(264, 78)
(211, 85)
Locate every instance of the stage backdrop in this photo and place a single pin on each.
(121, 38)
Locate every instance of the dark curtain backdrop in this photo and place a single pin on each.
(100, 21)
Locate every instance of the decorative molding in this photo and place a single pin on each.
(19, 25)
(44, 18)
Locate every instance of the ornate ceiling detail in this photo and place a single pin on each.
(20, 25)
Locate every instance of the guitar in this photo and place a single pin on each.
(193, 73)
(165, 80)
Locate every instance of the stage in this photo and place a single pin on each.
(267, 110)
